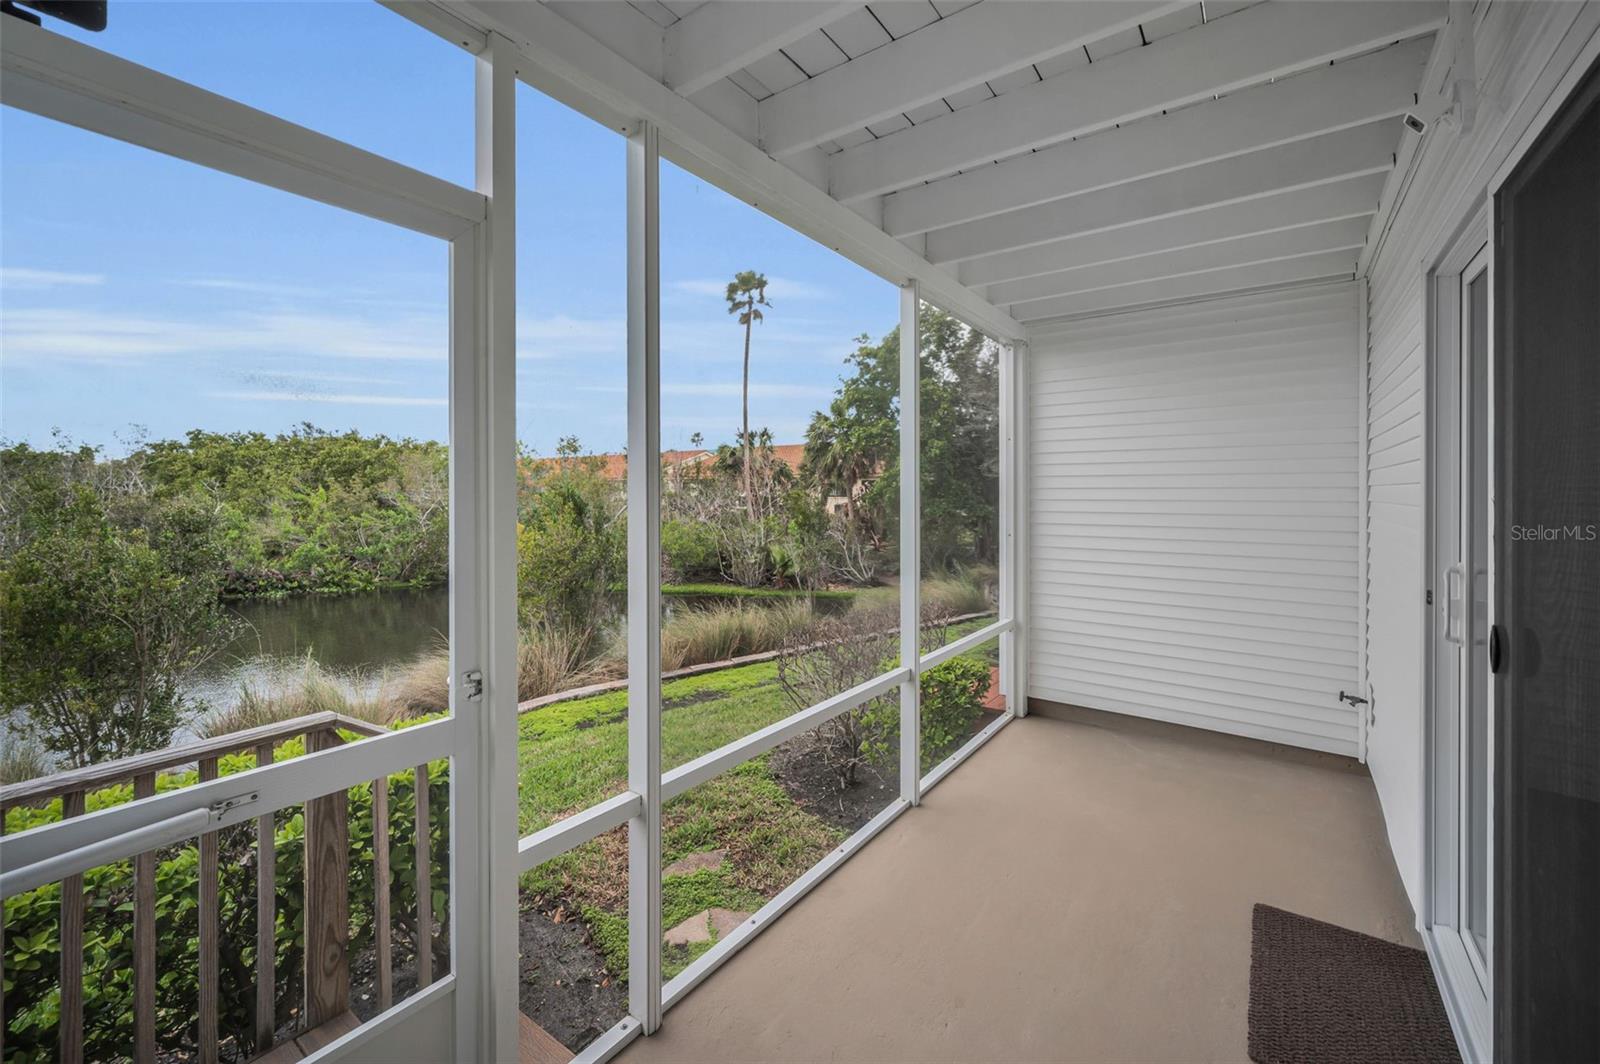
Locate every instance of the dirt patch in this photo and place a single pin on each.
(564, 985)
(800, 768)
(364, 978)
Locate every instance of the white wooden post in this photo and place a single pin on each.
(1008, 522)
(644, 576)
(910, 545)
(1017, 581)
(483, 591)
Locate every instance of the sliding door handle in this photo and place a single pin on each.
(1454, 576)
(1496, 648)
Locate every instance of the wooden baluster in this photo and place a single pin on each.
(144, 940)
(210, 971)
(424, 883)
(70, 1024)
(327, 900)
(266, 918)
(380, 888)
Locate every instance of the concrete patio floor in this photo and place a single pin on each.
(1079, 890)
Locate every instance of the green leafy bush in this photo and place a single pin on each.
(952, 698)
(32, 921)
(689, 551)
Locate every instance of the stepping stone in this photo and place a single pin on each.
(699, 927)
(684, 866)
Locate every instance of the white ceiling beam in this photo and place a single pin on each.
(1347, 234)
(1246, 48)
(723, 36)
(1356, 198)
(1379, 85)
(1367, 149)
(562, 60)
(1329, 265)
(956, 53)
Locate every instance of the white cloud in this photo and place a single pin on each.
(312, 397)
(59, 334)
(712, 289)
(789, 288)
(559, 334)
(16, 277)
(259, 288)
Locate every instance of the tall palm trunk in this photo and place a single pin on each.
(749, 481)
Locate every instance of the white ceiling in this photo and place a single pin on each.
(1064, 158)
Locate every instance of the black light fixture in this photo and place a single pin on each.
(86, 14)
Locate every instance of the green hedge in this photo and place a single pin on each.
(32, 921)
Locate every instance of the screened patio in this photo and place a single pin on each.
(1188, 235)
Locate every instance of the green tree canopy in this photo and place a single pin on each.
(109, 601)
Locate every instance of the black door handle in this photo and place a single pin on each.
(1495, 649)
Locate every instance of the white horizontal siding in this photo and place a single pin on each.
(1192, 497)
(1522, 50)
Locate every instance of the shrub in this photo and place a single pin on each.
(952, 698)
(32, 919)
(109, 602)
(570, 549)
(834, 654)
(689, 551)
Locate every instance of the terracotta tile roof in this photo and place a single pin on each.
(790, 454)
(614, 465)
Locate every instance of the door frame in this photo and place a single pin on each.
(1466, 986)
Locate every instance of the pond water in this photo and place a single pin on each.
(355, 637)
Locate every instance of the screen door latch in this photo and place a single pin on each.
(472, 685)
(1496, 648)
(1354, 700)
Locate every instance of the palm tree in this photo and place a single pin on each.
(747, 292)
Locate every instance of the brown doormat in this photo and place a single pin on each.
(1322, 993)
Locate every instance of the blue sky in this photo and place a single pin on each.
(143, 295)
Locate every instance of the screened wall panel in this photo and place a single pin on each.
(1193, 501)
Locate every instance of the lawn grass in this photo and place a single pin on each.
(574, 754)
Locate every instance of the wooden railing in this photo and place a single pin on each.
(326, 916)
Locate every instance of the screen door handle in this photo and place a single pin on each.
(1496, 648)
(1452, 621)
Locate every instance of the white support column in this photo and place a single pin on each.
(1017, 581)
(483, 600)
(1008, 522)
(910, 545)
(644, 576)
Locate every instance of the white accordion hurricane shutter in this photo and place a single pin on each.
(1193, 505)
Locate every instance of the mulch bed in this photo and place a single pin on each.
(564, 985)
